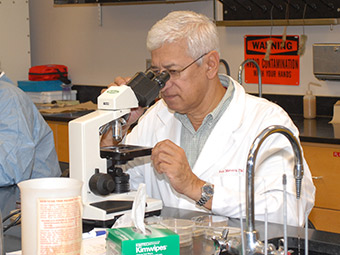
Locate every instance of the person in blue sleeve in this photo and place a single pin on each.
(26, 141)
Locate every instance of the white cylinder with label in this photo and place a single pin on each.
(51, 210)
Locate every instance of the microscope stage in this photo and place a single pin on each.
(123, 152)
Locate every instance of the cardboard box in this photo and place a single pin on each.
(126, 241)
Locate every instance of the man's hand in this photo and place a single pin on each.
(170, 159)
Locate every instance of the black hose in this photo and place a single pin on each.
(15, 222)
(225, 65)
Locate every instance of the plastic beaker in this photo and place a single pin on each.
(51, 210)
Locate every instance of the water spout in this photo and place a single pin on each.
(258, 73)
(251, 237)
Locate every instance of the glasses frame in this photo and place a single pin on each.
(193, 62)
(178, 72)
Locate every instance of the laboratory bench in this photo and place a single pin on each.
(320, 141)
(58, 122)
(321, 145)
(320, 242)
(316, 130)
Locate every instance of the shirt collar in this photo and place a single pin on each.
(220, 107)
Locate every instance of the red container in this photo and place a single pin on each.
(47, 72)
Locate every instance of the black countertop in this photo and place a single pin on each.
(64, 117)
(316, 130)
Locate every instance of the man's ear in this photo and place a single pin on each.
(213, 64)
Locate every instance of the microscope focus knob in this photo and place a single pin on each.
(101, 184)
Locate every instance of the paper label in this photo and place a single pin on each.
(59, 225)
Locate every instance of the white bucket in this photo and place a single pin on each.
(51, 210)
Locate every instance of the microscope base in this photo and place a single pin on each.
(109, 223)
(104, 213)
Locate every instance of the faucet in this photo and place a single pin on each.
(258, 73)
(251, 239)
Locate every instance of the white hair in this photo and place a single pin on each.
(198, 30)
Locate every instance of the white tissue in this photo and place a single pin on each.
(138, 209)
(136, 216)
(123, 221)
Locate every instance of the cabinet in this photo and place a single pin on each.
(60, 134)
(324, 163)
(279, 13)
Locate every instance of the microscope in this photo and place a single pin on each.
(106, 193)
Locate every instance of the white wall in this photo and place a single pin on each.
(95, 54)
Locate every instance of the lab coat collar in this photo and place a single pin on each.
(171, 128)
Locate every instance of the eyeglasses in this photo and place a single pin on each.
(175, 74)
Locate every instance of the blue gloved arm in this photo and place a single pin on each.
(26, 141)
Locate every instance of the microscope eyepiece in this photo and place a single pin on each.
(150, 74)
(146, 86)
(162, 78)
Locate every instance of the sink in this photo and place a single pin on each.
(315, 247)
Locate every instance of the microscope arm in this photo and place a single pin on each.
(85, 145)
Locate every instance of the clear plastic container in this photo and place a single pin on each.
(217, 232)
(184, 228)
(209, 223)
(213, 225)
(309, 103)
(66, 91)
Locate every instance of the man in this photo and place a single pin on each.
(202, 129)
(26, 141)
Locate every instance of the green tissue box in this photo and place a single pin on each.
(126, 241)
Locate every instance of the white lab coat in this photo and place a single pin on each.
(223, 159)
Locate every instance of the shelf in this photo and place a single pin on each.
(289, 22)
(60, 3)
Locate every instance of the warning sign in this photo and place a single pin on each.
(283, 66)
